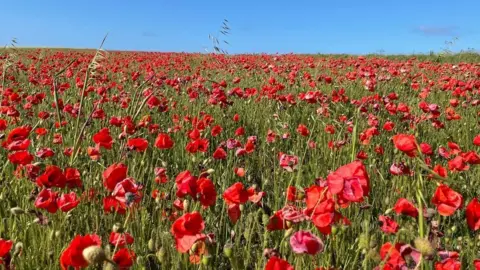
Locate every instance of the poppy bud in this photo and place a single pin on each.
(228, 250)
(388, 211)
(206, 260)
(151, 245)
(185, 205)
(117, 228)
(424, 246)
(288, 233)
(18, 249)
(94, 255)
(161, 254)
(141, 261)
(210, 171)
(363, 241)
(17, 211)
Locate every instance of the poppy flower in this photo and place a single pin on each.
(350, 182)
(405, 143)
(72, 177)
(447, 200)
(187, 230)
(120, 240)
(275, 263)
(389, 225)
(113, 175)
(216, 130)
(137, 144)
(457, 164)
(236, 194)
(476, 264)
(112, 205)
(472, 214)
(5, 247)
(72, 256)
(405, 207)
(207, 194)
(163, 141)
(391, 253)
(47, 199)
(103, 138)
(18, 134)
(220, 153)
(20, 158)
(67, 202)
(303, 130)
(186, 184)
(288, 162)
(306, 242)
(52, 177)
(476, 140)
(124, 258)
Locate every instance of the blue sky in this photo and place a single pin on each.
(281, 26)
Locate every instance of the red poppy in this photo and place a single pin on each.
(476, 264)
(186, 184)
(303, 130)
(199, 145)
(391, 253)
(45, 153)
(67, 202)
(112, 205)
(5, 247)
(321, 208)
(72, 176)
(73, 254)
(350, 182)
(137, 144)
(187, 230)
(288, 162)
(163, 141)
(275, 263)
(476, 140)
(426, 149)
(447, 200)
(405, 143)
(472, 214)
(236, 194)
(457, 164)
(52, 177)
(120, 240)
(388, 126)
(47, 199)
(389, 225)
(220, 153)
(216, 130)
(124, 258)
(405, 207)
(440, 170)
(18, 134)
(103, 138)
(20, 158)
(207, 192)
(113, 175)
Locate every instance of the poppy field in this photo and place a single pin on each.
(136, 160)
